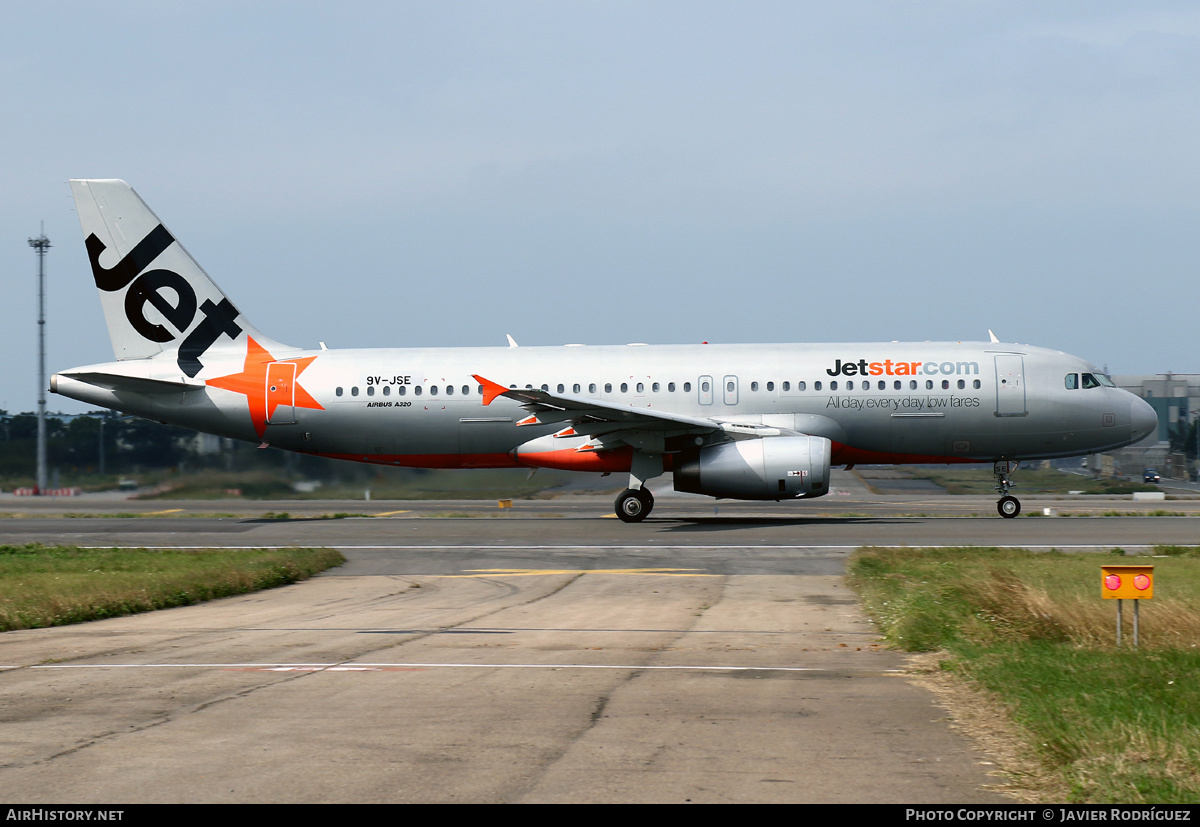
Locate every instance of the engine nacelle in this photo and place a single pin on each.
(771, 468)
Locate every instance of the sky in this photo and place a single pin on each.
(403, 174)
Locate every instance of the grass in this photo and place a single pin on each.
(55, 585)
(1108, 725)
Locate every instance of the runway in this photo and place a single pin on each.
(539, 656)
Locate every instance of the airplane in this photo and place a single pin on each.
(738, 421)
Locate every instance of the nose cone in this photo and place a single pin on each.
(1142, 419)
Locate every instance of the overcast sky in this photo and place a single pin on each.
(443, 173)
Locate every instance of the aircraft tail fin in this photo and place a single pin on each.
(156, 298)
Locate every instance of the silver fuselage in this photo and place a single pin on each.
(876, 402)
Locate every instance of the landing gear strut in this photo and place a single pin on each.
(1008, 506)
(634, 504)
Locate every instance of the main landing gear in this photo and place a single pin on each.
(634, 504)
(1008, 505)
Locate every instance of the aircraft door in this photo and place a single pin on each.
(280, 393)
(1010, 384)
(730, 388)
(704, 387)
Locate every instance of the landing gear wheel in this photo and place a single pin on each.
(1009, 507)
(634, 504)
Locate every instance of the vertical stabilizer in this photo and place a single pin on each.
(156, 298)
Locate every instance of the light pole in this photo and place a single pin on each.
(41, 244)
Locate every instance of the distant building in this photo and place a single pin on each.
(1175, 397)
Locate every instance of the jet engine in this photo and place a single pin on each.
(771, 468)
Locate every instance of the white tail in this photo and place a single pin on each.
(173, 305)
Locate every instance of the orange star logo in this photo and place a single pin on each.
(267, 384)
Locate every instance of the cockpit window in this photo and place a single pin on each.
(1106, 380)
(1090, 381)
(1072, 381)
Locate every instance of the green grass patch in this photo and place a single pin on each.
(1113, 725)
(55, 585)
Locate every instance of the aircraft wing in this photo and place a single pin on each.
(612, 422)
(548, 408)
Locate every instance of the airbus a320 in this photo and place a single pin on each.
(750, 422)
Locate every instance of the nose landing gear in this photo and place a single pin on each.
(1008, 506)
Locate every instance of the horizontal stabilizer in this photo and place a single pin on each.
(138, 376)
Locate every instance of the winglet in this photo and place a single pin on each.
(490, 389)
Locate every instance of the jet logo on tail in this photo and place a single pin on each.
(219, 317)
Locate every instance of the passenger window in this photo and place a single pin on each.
(687, 387)
(400, 391)
(655, 387)
(370, 390)
(882, 385)
(800, 386)
(608, 387)
(670, 387)
(561, 388)
(624, 387)
(912, 384)
(816, 386)
(387, 390)
(754, 386)
(897, 385)
(787, 386)
(337, 392)
(546, 388)
(975, 384)
(575, 388)
(354, 391)
(592, 388)
(466, 390)
(770, 386)
(433, 390)
(641, 387)
(1072, 381)
(928, 384)
(417, 390)
(449, 390)
(833, 386)
(945, 384)
(961, 384)
(850, 385)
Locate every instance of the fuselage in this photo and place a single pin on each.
(875, 402)
(761, 422)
